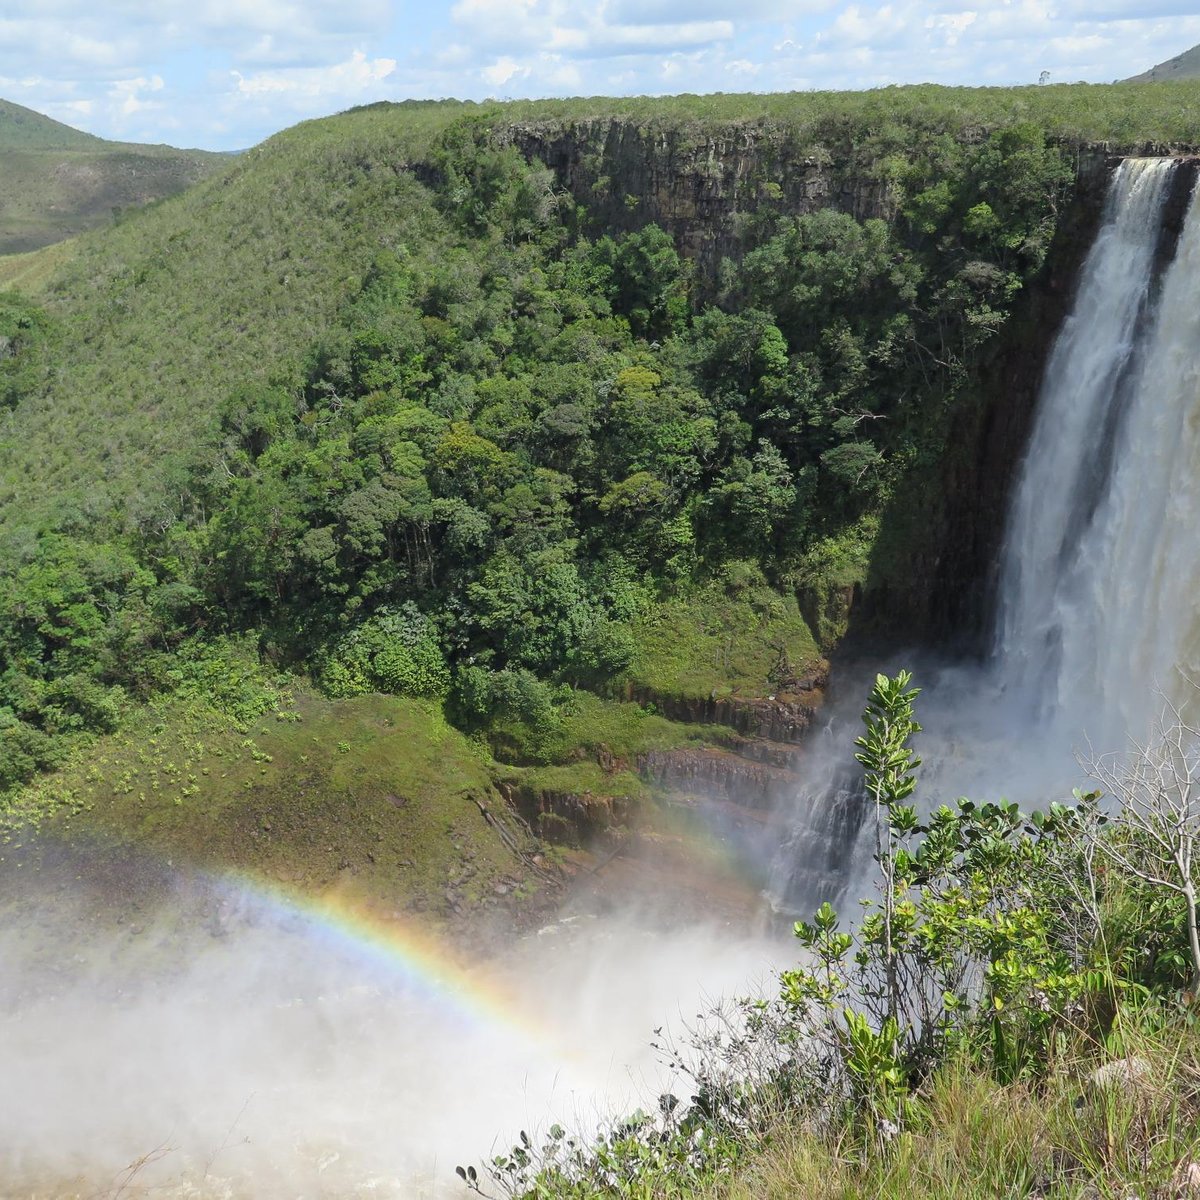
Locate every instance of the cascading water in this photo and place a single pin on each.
(1098, 559)
(1100, 569)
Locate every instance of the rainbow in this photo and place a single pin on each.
(425, 965)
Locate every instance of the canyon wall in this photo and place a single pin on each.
(930, 578)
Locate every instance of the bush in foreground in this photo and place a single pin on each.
(1006, 1018)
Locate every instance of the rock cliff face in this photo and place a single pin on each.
(932, 582)
(776, 719)
(571, 818)
(698, 186)
(721, 774)
(746, 769)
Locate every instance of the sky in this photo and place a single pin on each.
(224, 74)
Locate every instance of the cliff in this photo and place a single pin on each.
(699, 186)
(932, 566)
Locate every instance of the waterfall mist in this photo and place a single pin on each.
(208, 1045)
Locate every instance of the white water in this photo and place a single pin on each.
(1102, 560)
(1130, 619)
(1099, 592)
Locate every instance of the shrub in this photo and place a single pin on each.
(396, 651)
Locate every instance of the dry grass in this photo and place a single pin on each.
(965, 1136)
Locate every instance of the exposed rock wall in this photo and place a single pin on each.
(721, 775)
(783, 719)
(572, 818)
(697, 186)
(933, 583)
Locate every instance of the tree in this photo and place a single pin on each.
(889, 767)
(1156, 833)
(649, 280)
(962, 947)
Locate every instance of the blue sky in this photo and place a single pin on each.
(223, 74)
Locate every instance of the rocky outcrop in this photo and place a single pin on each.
(570, 818)
(777, 719)
(703, 182)
(721, 775)
(697, 183)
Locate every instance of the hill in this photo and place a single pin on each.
(56, 182)
(232, 281)
(24, 129)
(1182, 66)
(520, 410)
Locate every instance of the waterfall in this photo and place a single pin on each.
(1084, 619)
(1098, 604)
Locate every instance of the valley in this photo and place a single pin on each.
(444, 554)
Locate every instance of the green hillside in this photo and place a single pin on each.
(23, 129)
(56, 182)
(231, 282)
(1182, 66)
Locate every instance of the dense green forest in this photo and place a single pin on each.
(486, 438)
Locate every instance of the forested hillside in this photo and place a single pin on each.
(413, 412)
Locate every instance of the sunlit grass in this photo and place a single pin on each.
(30, 273)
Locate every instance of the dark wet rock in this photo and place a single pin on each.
(778, 719)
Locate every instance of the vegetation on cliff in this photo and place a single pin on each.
(432, 429)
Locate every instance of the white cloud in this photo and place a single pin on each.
(675, 12)
(348, 80)
(992, 41)
(599, 40)
(128, 94)
(502, 70)
(575, 27)
(84, 40)
(953, 24)
(500, 23)
(229, 72)
(558, 75)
